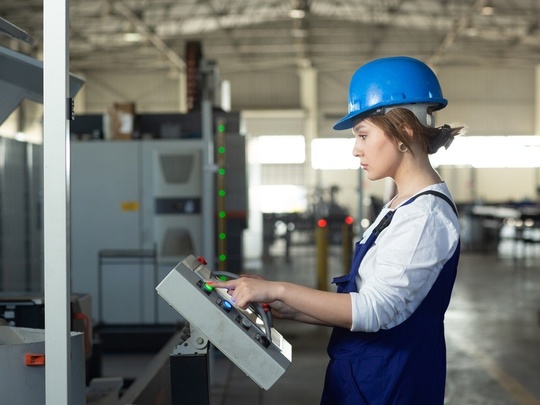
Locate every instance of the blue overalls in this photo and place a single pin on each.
(404, 365)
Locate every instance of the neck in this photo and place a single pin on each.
(414, 176)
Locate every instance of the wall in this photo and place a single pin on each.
(490, 101)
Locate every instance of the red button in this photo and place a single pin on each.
(202, 260)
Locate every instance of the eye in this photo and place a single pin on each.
(360, 132)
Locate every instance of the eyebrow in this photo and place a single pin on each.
(359, 126)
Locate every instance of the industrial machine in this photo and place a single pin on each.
(246, 337)
(137, 210)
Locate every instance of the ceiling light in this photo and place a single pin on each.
(297, 13)
(488, 10)
(133, 37)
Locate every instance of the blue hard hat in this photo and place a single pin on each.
(386, 82)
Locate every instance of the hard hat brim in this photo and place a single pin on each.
(347, 122)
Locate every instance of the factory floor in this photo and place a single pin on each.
(492, 328)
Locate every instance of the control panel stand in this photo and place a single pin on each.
(189, 366)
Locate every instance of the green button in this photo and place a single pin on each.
(208, 288)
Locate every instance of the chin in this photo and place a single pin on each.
(373, 177)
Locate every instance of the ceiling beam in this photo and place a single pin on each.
(460, 25)
(142, 28)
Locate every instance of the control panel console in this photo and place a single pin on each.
(244, 336)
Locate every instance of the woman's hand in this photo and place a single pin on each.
(291, 301)
(250, 289)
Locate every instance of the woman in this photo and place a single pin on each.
(387, 346)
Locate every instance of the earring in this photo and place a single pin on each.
(401, 148)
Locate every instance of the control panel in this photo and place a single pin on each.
(246, 337)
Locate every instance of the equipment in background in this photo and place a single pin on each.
(22, 356)
(298, 228)
(246, 337)
(144, 195)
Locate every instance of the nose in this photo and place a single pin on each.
(357, 150)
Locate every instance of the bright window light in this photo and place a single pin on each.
(490, 152)
(282, 198)
(279, 149)
(333, 154)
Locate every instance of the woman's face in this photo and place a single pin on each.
(379, 155)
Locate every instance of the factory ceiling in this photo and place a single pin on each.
(333, 36)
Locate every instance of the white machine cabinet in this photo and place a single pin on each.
(132, 197)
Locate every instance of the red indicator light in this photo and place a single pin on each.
(321, 223)
(349, 220)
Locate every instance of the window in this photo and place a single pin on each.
(282, 149)
(490, 152)
(333, 154)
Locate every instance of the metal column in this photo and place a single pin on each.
(56, 189)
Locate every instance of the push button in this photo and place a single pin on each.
(208, 288)
(227, 306)
(202, 260)
(246, 323)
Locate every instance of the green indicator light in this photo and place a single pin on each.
(221, 149)
(208, 288)
(221, 128)
(221, 193)
(222, 278)
(221, 171)
(222, 214)
(222, 258)
(222, 235)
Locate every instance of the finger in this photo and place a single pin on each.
(220, 284)
(253, 276)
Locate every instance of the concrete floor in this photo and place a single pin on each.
(492, 327)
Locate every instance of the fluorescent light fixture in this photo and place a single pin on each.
(133, 37)
(491, 152)
(487, 10)
(297, 14)
(333, 154)
(279, 149)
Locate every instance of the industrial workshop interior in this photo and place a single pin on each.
(197, 142)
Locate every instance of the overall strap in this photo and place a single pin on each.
(441, 195)
(347, 283)
(388, 217)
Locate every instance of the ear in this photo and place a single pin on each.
(408, 130)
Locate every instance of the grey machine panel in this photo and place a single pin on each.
(22, 77)
(105, 194)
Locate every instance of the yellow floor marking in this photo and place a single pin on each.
(513, 387)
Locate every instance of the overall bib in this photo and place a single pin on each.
(404, 365)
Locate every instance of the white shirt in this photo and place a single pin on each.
(400, 268)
